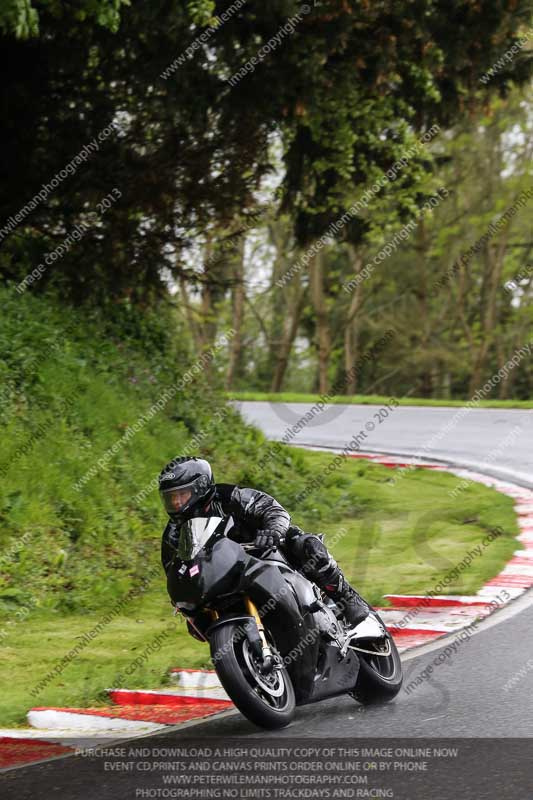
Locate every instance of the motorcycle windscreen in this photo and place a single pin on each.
(194, 534)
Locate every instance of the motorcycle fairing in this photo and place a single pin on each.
(220, 567)
(289, 597)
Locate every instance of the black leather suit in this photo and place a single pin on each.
(253, 510)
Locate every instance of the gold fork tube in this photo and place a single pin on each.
(253, 612)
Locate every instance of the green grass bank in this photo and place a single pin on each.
(372, 399)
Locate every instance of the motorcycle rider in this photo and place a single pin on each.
(187, 489)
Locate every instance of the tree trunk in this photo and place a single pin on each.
(351, 328)
(426, 380)
(207, 326)
(494, 257)
(323, 333)
(279, 236)
(237, 301)
(189, 315)
(289, 335)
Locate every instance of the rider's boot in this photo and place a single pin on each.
(333, 582)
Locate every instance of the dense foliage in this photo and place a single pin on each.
(430, 307)
(253, 160)
(338, 98)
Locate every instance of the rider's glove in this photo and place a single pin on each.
(265, 539)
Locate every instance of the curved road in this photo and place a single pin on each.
(500, 441)
(466, 695)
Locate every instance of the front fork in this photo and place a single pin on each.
(264, 652)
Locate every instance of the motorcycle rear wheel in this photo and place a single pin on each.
(266, 700)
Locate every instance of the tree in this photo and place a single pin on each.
(21, 17)
(348, 87)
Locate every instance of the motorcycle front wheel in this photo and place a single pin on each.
(267, 700)
(380, 671)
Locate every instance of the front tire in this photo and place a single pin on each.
(380, 676)
(266, 700)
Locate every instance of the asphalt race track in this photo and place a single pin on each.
(498, 440)
(464, 696)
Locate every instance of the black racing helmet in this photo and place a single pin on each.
(186, 485)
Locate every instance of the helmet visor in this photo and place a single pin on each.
(179, 499)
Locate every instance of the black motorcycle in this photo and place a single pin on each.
(276, 640)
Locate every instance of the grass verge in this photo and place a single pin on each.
(371, 399)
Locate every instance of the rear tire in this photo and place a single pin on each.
(380, 677)
(266, 700)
